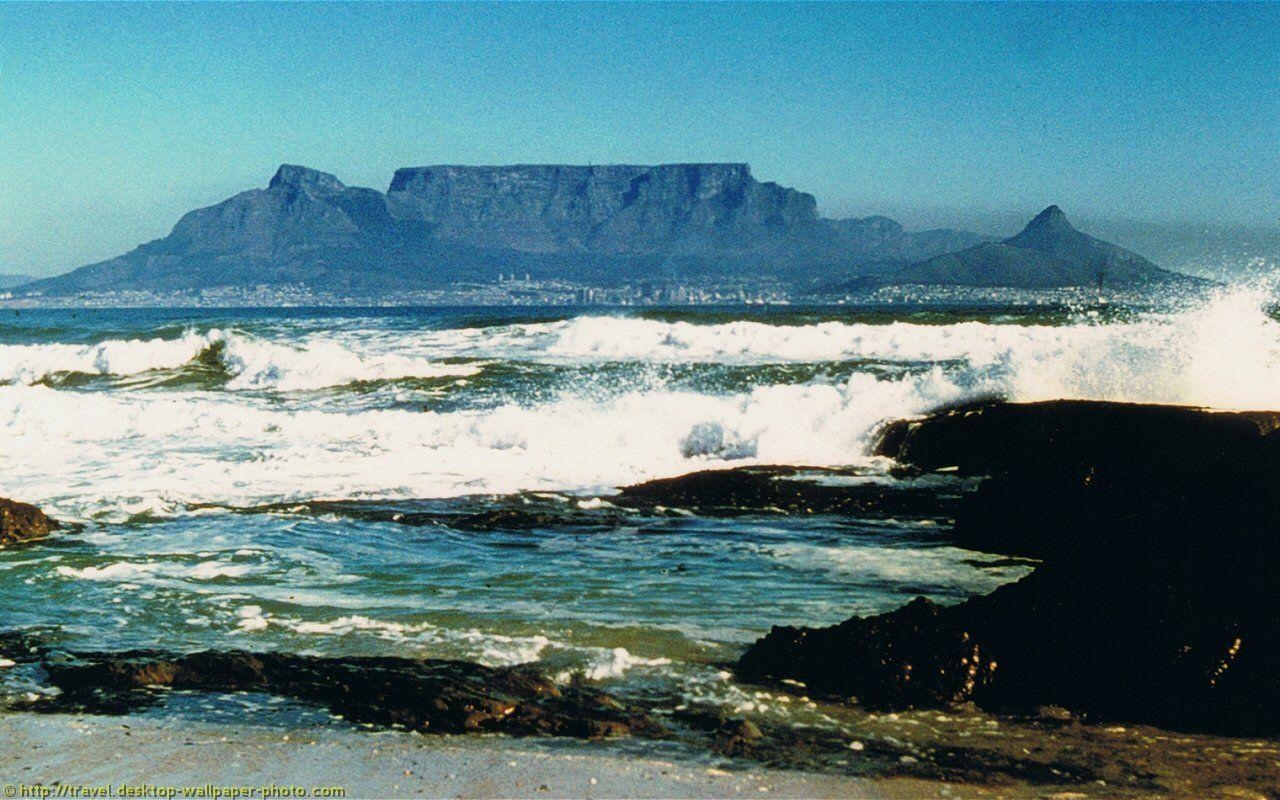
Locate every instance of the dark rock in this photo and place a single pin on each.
(724, 492)
(428, 695)
(516, 519)
(21, 646)
(790, 490)
(520, 513)
(22, 522)
(913, 657)
(1066, 436)
(1156, 601)
(736, 736)
(1081, 476)
(743, 729)
(1054, 714)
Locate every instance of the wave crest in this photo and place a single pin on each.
(248, 362)
(80, 451)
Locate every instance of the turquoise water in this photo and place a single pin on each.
(186, 447)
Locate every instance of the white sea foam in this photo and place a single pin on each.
(252, 363)
(30, 363)
(251, 618)
(125, 570)
(1146, 344)
(119, 453)
(89, 454)
(487, 648)
(610, 663)
(1223, 352)
(259, 364)
(492, 649)
(117, 571)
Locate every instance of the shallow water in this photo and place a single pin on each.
(163, 433)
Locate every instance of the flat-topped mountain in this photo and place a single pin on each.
(443, 224)
(687, 209)
(1048, 252)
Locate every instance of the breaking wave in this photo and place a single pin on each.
(33, 363)
(123, 452)
(248, 363)
(81, 451)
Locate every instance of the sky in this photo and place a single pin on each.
(117, 119)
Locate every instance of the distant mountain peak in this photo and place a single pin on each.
(1048, 252)
(294, 176)
(1052, 218)
(441, 225)
(1049, 230)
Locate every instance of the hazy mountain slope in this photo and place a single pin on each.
(306, 227)
(1048, 252)
(8, 280)
(440, 225)
(884, 241)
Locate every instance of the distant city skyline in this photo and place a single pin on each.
(120, 118)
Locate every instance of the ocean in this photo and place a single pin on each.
(443, 482)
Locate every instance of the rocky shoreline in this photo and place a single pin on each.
(424, 695)
(23, 522)
(1156, 600)
(1152, 610)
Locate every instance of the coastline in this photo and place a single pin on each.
(950, 505)
(202, 740)
(179, 751)
(86, 750)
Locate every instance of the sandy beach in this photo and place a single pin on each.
(90, 751)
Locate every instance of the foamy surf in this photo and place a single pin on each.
(250, 363)
(32, 363)
(317, 364)
(98, 453)
(505, 442)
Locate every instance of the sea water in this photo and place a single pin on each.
(189, 448)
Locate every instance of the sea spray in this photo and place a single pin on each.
(175, 424)
(509, 425)
(249, 363)
(81, 451)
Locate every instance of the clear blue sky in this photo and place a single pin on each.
(116, 119)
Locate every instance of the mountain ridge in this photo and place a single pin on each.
(10, 280)
(1048, 252)
(445, 224)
